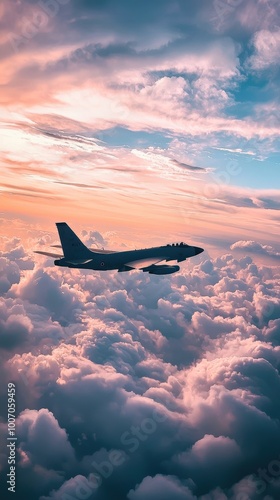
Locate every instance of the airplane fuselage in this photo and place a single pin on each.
(109, 260)
(77, 255)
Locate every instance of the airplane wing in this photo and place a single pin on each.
(142, 263)
(54, 255)
(94, 250)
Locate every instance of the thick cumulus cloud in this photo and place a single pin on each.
(9, 274)
(266, 49)
(135, 386)
(40, 288)
(14, 330)
(13, 259)
(40, 430)
(255, 247)
(161, 488)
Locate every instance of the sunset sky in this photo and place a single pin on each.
(131, 116)
(142, 123)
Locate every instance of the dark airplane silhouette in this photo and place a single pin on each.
(77, 255)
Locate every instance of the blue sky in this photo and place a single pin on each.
(255, 170)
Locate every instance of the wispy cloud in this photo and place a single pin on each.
(236, 150)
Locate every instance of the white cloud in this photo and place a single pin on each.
(256, 248)
(267, 48)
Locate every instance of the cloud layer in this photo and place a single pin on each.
(257, 248)
(186, 369)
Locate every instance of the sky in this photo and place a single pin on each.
(139, 124)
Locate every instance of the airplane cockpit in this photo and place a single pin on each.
(182, 244)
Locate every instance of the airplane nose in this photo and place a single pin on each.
(198, 250)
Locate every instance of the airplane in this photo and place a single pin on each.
(77, 255)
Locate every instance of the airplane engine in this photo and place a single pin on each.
(164, 269)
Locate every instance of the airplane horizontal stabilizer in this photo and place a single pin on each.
(49, 254)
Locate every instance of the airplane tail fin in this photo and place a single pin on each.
(72, 246)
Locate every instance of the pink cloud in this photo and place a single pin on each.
(255, 247)
(266, 44)
(197, 349)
